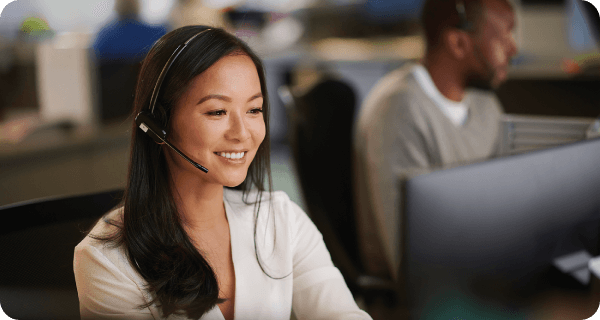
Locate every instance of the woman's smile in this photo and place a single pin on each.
(232, 156)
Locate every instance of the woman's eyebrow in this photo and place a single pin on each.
(226, 98)
(256, 96)
(215, 96)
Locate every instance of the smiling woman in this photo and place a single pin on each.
(220, 117)
(210, 245)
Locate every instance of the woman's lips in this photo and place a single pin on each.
(232, 156)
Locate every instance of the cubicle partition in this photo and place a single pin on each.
(523, 133)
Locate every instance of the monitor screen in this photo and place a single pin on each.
(490, 231)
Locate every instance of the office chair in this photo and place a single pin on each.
(320, 136)
(116, 86)
(37, 242)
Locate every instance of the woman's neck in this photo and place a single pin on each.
(200, 204)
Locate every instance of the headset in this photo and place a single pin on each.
(145, 120)
(464, 23)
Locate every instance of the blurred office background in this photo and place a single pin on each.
(65, 112)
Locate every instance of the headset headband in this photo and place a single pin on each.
(166, 68)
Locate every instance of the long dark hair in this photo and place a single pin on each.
(152, 233)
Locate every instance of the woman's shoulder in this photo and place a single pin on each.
(97, 250)
(106, 280)
(106, 227)
(108, 224)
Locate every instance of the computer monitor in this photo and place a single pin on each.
(483, 237)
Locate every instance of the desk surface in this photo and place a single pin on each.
(52, 140)
(57, 162)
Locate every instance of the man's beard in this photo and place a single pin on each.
(482, 80)
(485, 79)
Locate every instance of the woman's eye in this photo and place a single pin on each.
(256, 110)
(216, 113)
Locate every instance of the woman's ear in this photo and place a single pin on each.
(459, 43)
(146, 122)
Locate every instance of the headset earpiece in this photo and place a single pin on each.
(464, 23)
(145, 121)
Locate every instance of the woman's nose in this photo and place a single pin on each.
(237, 128)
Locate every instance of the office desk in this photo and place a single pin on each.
(551, 95)
(60, 162)
(565, 305)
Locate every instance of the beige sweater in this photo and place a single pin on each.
(400, 133)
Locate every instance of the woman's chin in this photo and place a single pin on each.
(234, 182)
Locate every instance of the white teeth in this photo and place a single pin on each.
(237, 155)
(234, 155)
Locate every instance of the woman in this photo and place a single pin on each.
(182, 245)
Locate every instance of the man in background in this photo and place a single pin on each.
(438, 113)
(120, 47)
(127, 38)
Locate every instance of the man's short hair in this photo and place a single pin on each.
(439, 15)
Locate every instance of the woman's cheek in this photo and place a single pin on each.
(259, 130)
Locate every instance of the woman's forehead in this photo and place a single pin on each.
(231, 75)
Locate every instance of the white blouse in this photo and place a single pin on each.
(288, 244)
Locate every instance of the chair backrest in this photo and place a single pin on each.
(116, 82)
(37, 241)
(321, 124)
